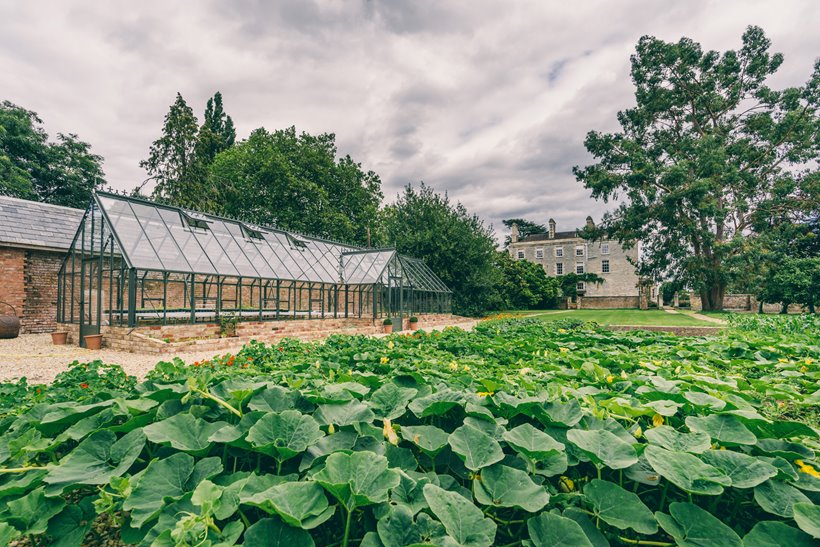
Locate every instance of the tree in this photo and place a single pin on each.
(524, 285)
(569, 282)
(525, 228)
(455, 244)
(793, 281)
(295, 182)
(63, 173)
(170, 162)
(707, 145)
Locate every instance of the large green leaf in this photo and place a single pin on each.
(284, 434)
(464, 522)
(745, 471)
(724, 428)
(551, 530)
(273, 399)
(565, 414)
(184, 432)
(807, 517)
(273, 532)
(410, 492)
(390, 401)
(671, 439)
(30, 514)
(692, 526)
(437, 403)
(95, 460)
(357, 479)
(349, 413)
(531, 442)
(474, 447)
(167, 479)
(429, 438)
(398, 528)
(686, 471)
(68, 529)
(603, 447)
(502, 486)
(300, 504)
(777, 498)
(7, 533)
(770, 533)
(619, 507)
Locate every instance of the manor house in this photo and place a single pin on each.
(560, 253)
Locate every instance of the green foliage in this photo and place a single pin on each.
(295, 182)
(63, 172)
(514, 433)
(793, 281)
(524, 285)
(525, 228)
(707, 153)
(569, 282)
(456, 245)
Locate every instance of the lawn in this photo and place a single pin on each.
(625, 317)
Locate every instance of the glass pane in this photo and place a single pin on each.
(186, 241)
(135, 245)
(222, 233)
(160, 238)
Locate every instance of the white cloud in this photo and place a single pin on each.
(487, 100)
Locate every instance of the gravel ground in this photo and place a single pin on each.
(36, 358)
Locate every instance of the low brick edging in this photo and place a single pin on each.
(183, 338)
(678, 331)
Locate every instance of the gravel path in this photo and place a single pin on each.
(36, 358)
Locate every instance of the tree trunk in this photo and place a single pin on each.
(712, 298)
(784, 307)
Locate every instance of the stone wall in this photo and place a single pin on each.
(607, 302)
(40, 276)
(169, 339)
(12, 282)
(743, 302)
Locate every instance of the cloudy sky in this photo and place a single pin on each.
(488, 100)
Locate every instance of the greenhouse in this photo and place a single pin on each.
(134, 262)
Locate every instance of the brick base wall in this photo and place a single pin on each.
(167, 339)
(607, 302)
(12, 282)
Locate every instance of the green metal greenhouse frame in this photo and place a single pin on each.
(135, 262)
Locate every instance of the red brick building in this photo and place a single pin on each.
(34, 238)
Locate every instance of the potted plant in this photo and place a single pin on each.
(93, 341)
(59, 338)
(388, 326)
(414, 323)
(227, 326)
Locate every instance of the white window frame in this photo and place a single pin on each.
(604, 248)
(605, 268)
(520, 254)
(559, 266)
(579, 250)
(559, 252)
(579, 266)
(539, 253)
(580, 286)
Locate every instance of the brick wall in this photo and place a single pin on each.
(40, 309)
(607, 302)
(12, 286)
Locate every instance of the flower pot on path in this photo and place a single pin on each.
(388, 329)
(59, 338)
(93, 341)
(414, 325)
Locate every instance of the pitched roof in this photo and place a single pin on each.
(546, 237)
(33, 224)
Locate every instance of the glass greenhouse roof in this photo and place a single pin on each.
(163, 238)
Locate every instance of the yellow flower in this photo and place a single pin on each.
(562, 331)
(563, 350)
(525, 370)
(804, 368)
(466, 367)
(781, 360)
(609, 379)
(807, 469)
(623, 375)
(809, 360)
(658, 363)
(677, 369)
(317, 365)
(657, 420)
(453, 366)
(331, 430)
(384, 360)
(638, 432)
(565, 484)
(485, 393)
(391, 345)
(389, 433)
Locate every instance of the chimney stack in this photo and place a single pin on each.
(514, 234)
(552, 228)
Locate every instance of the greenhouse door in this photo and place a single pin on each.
(89, 298)
(394, 299)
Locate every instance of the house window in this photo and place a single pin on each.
(605, 266)
(580, 286)
(579, 268)
(520, 254)
(539, 253)
(559, 252)
(604, 248)
(579, 250)
(559, 268)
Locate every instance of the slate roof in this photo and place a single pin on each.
(32, 224)
(546, 237)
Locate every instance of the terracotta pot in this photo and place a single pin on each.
(93, 341)
(388, 329)
(59, 338)
(414, 325)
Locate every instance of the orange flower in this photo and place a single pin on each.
(84, 385)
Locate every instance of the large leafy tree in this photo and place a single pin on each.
(64, 172)
(455, 244)
(525, 228)
(706, 146)
(171, 158)
(525, 285)
(295, 181)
